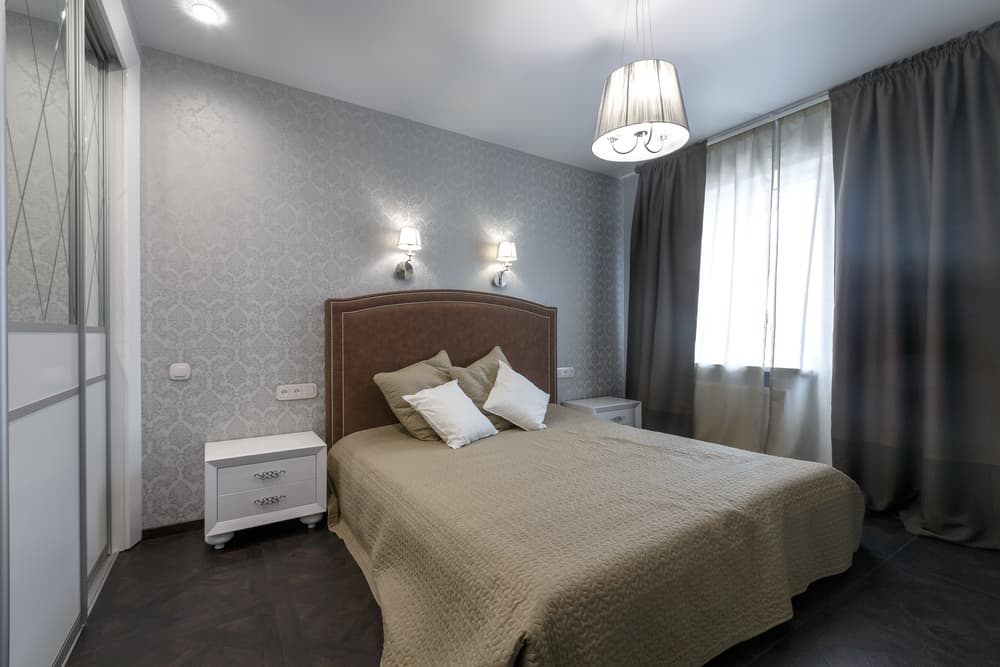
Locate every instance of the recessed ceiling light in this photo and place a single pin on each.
(206, 13)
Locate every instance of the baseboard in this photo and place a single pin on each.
(173, 529)
(97, 579)
(67, 648)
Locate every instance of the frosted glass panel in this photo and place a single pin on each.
(44, 532)
(97, 479)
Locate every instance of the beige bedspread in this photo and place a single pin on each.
(587, 543)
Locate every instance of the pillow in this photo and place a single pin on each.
(451, 414)
(415, 377)
(516, 399)
(478, 378)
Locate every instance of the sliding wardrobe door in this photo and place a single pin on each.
(44, 370)
(57, 343)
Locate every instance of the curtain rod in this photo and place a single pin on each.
(770, 117)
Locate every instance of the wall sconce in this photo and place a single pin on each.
(409, 242)
(506, 255)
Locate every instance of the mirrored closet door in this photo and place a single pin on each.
(58, 498)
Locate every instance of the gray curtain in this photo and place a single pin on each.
(916, 380)
(663, 289)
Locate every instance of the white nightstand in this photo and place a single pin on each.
(253, 481)
(618, 410)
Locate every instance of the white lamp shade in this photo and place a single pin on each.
(409, 239)
(642, 115)
(506, 252)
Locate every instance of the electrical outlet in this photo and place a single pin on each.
(564, 372)
(294, 392)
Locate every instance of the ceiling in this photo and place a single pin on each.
(528, 73)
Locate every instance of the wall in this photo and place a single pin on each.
(260, 201)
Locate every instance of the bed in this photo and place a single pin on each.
(587, 543)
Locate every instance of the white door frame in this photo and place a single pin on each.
(124, 363)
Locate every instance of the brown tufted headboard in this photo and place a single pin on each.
(366, 335)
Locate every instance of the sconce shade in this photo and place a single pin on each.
(642, 114)
(506, 252)
(409, 239)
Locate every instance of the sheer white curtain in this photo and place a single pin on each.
(765, 307)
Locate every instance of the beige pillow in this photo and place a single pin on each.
(477, 380)
(415, 377)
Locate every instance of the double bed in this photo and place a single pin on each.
(587, 543)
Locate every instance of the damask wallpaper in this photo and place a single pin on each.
(260, 201)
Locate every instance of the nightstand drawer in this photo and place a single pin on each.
(266, 475)
(625, 417)
(262, 501)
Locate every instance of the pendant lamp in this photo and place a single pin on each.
(641, 115)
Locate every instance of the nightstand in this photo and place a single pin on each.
(253, 481)
(618, 410)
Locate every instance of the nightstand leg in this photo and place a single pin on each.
(218, 541)
(311, 520)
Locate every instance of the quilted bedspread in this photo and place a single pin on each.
(587, 543)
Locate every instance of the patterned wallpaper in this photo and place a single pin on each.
(260, 201)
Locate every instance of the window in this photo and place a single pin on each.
(766, 287)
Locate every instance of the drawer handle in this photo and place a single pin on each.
(270, 500)
(618, 420)
(269, 474)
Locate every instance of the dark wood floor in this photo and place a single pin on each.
(285, 595)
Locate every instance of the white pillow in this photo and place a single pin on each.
(452, 414)
(517, 400)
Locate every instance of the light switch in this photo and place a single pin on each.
(180, 371)
(565, 372)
